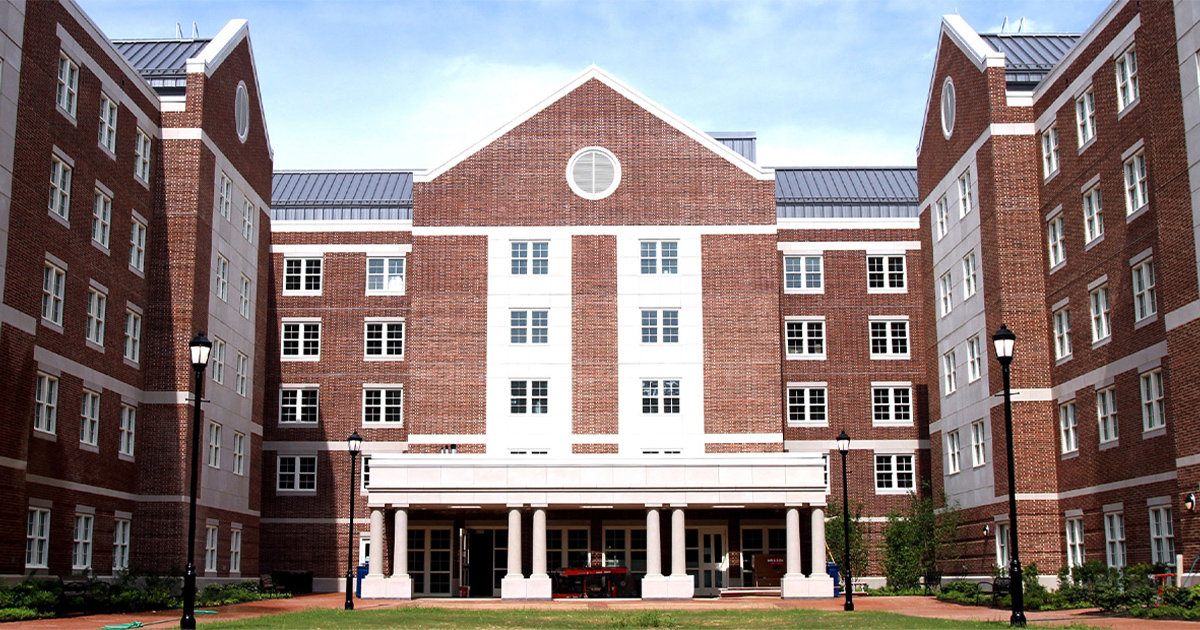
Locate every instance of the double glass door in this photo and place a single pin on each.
(707, 559)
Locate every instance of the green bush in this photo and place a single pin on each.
(644, 619)
(223, 594)
(917, 538)
(19, 614)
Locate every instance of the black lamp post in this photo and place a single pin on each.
(200, 347)
(843, 443)
(1004, 340)
(355, 444)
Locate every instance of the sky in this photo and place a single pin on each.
(370, 84)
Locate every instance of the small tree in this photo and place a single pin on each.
(916, 539)
(835, 537)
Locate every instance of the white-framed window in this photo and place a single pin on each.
(1145, 298)
(953, 461)
(211, 534)
(222, 283)
(807, 405)
(386, 276)
(1074, 542)
(663, 399)
(804, 274)
(120, 555)
(567, 547)
(248, 220)
(805, 338)
(101, 218)
(659, 257)
(1106, 414)
(81, 545)
(1056, 241)
(242, 375)
(886, 274)
(54, 282)
(1002, 545)
(891, 403)
(1068, 428)
(235, 551)
(45, 403)
(966, 197)
(128, 430)
(894, 473)
(1049, 152)
(298, 405)
(301, 276)
(1162, 536)
(1114, 538)
(949, 373)
(531, 258)
(37, 539)
(218, 360)
(1062, 333)
(529, 396)
(137, 245)
(365, 477)
(1085, 116)
(385, 405)
(385, 340)
(529, 326)
(1154, 409)
(946, 293)
(60, 187)
(1101, 314)
(89, 418)
(889, 337)
(141, 156)
(978, 444)
(1136, 187)
(1093, 214)
(974, 359)
(246, 294)
(942, 217)
(225, 197)
(1127, 79)
(96, 306)
(133, 336)
(660, 326)
(296, 472)
(214, 445)
(970, 277)
(301, 340)
(239, 453)
(107, 136)
(68, 84)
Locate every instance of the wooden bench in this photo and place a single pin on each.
(933, 580)
(76, 588)
(267, 584)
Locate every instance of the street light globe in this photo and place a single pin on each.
(1004, 340)
(355, 443)
(843, 443)
(200, 347)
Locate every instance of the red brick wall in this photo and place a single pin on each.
(594, 335)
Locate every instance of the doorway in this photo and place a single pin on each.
(484, 561)
(707, 559)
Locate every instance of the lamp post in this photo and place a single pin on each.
(355, 444)
(843, 444)
(1004, 340)
(200, 347)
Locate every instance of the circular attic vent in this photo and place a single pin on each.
(241, 111)
(593, 173)
(948, 106)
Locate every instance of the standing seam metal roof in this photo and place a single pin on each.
(1030, 57)
(346, 195)
(840, 193)
(162, 62)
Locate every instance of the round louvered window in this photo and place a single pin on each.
(241, 111)
(948, 106)
(593, 173)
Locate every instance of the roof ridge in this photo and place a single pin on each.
(844, 168)
(134, 40)
(336, 171)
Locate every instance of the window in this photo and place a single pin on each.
(1062, 333)
(385, 340)
(970, 279)
(1145, 302)
(524, 264)
(889, 338)
(885, 274)
(952, 456)
(1154, 411)
(942, 218)
(804, 274)
(128, 430)
(120, 554)
(108, 123)
(296, 472)
(235, 551)
(664, 400)
(1049, 152)
(133, 336)
(1093, 214)
(248, 220)
(978, 444)
(575, 553)
(243, 377)
(891, 404)
(37, 539)
(669, 330)
(966, 199)
(225, 197)
(894, 472)
(222, 283)
(1114, 538)
(81, 546)
(302, 339)
(141, 156)
(239, 453)
(529, 397)
(529, 326)
(1101, 315)
(1054, 238)
(1074, 542)
(974, 359)
(806, 405)
(806, 338)
(68, 84)
(386, 405)
(1162, 536)
(241, 111)
(45, 403)
(950, 372)
(95, 316)
(214, 445)
(1068, 428)
(302, 276)
(1085, 116)
(246, 295)
(101, 218)
(1127, 79)
(385, 276)
(1136, 194)
(660, 257)
(137, 245)
(210, 548)
(218, 360)
(1001, 545)
(60, 188)
(89, 418)
(946, 293)
(53, 287)
(1106, 413)
(297, 404)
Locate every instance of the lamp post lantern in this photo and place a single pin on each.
(354, 442)
(1004, 340)
(843, 444)
(199, 348)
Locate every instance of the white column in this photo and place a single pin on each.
(793, 542)
(818, 542)
(400, 554)
(653, 545)
(678, 550)
(514, 585)
(514, 543)
(539, 543)
(375, 565)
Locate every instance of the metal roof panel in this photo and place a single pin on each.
(158, 58)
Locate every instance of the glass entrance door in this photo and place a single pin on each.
(707, 559)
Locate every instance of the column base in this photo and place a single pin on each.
(667, 587)
(514, 587)
(538, 587)
(796, 586)
(379, 587)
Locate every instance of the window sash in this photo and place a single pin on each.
(101, 218)
(137, 245)
(301, 339)
(53, 286)
(663, 400)
(894, 472)
(965, 196)
(1153, 403)
(141, 152)
(133, 336)
(659, 257)
(45, 411)
(807, 405)
(952, 452)
(889, 337)
(298, 405)
(1114, 538)
(1068, 428)
(969, 275)
(1106, 414)
(1101, 315)
(302, 275)
(386, 275)
(37, 538)
(120, 556)
(1085, 116)
(383, 405)
(1062, 333)
(68, 84)
(1093, 214)
(60, 188)
(805, 338)
(885, 272)
(127, 430)
(1145, 302)
(89, 418)
(978, 444)
(97, 303)
(81, 543)
(296, 472)
(384, 339)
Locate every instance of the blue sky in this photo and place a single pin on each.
(374, 84)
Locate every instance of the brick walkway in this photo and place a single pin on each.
(915, 606)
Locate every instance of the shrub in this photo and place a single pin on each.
(916, 539)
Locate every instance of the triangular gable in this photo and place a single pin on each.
(211, 56)
(594, 72)
(971, 44)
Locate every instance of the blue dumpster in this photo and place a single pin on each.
(832, 569)
(362, 573)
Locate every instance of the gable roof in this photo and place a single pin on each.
(162, 62)
(842, 193)
(341, 195)
(1028, 58)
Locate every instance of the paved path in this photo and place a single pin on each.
(915, 606)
